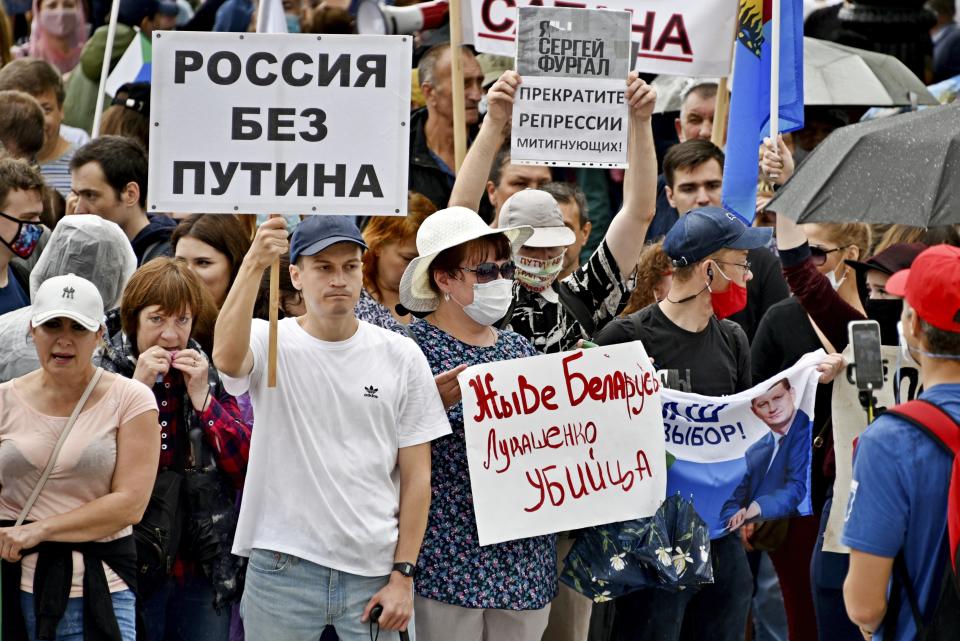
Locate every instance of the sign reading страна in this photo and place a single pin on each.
(563, 441)
(279, 123)
(683, 39)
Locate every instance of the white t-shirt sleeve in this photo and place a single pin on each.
(422, 417)
(259, 335)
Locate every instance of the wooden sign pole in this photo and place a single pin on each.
(721, 114)
(456, 79)
(274, 318)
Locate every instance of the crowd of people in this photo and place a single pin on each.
(137, 501)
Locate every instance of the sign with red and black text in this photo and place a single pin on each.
(563, 441)
(676, 38)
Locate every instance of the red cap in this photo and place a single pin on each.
(932, 286)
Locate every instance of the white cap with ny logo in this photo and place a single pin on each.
(68, 297)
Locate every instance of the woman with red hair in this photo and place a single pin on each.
(392, 244)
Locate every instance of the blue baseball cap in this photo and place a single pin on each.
(705, 230)
(316, 233)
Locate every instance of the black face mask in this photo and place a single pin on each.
(887, 313)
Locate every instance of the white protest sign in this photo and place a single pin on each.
(563, 441)
(279, 123)
(570, 109)
(682, 39)
(849, 422)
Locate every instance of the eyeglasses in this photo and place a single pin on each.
(745, 266)
(819, 255)
(487, 272)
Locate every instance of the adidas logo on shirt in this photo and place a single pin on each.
(371, 391)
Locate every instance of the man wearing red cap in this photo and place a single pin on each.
(901, 475)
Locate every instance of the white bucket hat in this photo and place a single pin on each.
(539, 210)
(445, 229)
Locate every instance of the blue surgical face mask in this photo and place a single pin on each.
(293, 23)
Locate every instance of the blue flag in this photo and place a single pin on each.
(750, 96)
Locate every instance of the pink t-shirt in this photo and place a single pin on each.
(84, 468)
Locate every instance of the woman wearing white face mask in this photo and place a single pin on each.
(814, 260)
(58, 33)
(464, 278)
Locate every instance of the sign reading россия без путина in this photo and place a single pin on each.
(279, 123)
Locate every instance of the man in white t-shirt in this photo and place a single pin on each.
(338, 486)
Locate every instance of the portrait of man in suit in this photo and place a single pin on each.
(777, 465)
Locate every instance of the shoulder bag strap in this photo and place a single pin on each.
(56, 449)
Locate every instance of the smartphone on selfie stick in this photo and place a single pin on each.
(375, 618)
(868, 361)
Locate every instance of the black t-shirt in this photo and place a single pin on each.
(713, 362)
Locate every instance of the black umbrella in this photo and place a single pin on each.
(902, 169)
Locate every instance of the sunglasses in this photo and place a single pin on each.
(487, 272)
(819, 255)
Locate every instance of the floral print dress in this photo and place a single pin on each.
(453, 568)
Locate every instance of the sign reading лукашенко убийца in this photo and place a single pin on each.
(279, 123)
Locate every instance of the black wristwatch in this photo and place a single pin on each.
(408, 570)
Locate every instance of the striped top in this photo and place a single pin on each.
(56, 173)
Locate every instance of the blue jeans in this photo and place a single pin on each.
(185, 612)
(287, 598)
(716, 611)
(70, 627)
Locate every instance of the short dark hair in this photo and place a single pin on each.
(123, 161)
(565, 193)
(940, 341)
(501, 160)
(689, 155)
(16, 174)
(261, 308)
(21, 123)
(324, 19)
(32, 76)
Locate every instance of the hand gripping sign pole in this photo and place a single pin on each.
(456, 78)
(105, 67)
